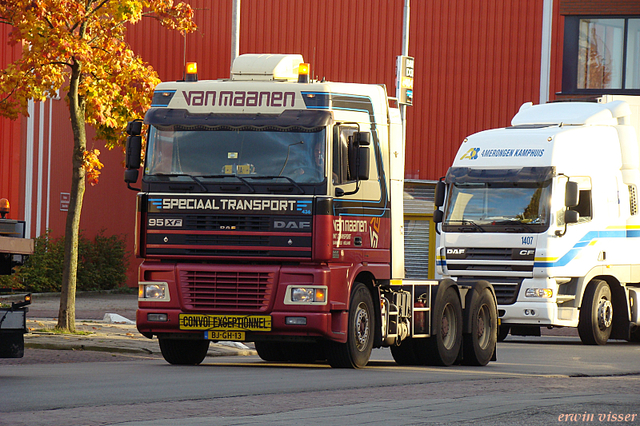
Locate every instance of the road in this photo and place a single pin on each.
(536, 381)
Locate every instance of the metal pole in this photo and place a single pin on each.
(235, 31)
(405, 28)
(405, 52)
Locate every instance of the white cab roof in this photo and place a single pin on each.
(571, 113)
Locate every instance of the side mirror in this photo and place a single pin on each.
(134, 128)
(438, 216)
(439, 195)
(571, 216)
(133, 151)
(363, 163)
(363, 138)
(359, 155)
(134, 144)
(131, 175)
(571, 195)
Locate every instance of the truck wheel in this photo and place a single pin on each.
(270, 351)
(12, 344)
(479, 345)
(503, 332)
(303, 352)
(596, 314)
(183, 351)
(405, 353)
(444, 347)
(356, 351)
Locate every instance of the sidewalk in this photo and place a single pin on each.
(105, 333)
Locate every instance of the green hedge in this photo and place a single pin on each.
(102, 265)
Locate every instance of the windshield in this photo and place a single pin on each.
(498, 207)
(213, 153)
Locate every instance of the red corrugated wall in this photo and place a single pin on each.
(476, 62)
(10, 140)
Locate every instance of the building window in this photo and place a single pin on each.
(601, 55)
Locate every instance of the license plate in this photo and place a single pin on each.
(237, 336)
(225, 322)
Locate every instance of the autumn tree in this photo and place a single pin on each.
(78, 47)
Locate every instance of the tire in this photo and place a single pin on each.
(270, 351)
(596, 314)
(503, 332)
(479, 345)
(12, 344)
(443, 348)
(405, 353)
(183, 351)
(297, 352)
(356, 351)
(303, 352)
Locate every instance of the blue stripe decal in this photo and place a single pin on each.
(588, 238)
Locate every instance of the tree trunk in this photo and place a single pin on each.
(67, 313)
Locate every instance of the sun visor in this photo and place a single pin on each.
(291, 118)
(524, 174)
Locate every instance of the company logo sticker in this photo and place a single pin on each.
(472, 154)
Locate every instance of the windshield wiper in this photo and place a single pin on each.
(463, 228)
(193, 178)
(516, 225)
(293, 182)
(241, 179)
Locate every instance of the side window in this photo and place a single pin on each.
(584, 207)
(342, 144)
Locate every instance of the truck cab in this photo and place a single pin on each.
(546, 211)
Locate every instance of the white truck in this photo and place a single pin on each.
(547, 211)
(271, 211)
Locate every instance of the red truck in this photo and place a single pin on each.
(271, 211)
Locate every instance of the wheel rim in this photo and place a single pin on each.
(484, 326)
(605, 313)
(448, 326)
(362, 327)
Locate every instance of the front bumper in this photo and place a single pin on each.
(319, 325)
(540, 313)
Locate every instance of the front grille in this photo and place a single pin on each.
(227, 240)
(488, 253)
(490, 261)
(506, 289)
(228, 291)
(485, 267)
(226, 222)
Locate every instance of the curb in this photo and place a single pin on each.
(109, 337)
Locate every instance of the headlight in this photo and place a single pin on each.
(546, 293)
(306, 295)
(153, 291)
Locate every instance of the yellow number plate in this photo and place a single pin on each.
(225, 322)
(224, 335)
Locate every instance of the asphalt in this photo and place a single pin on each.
(105, 323)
